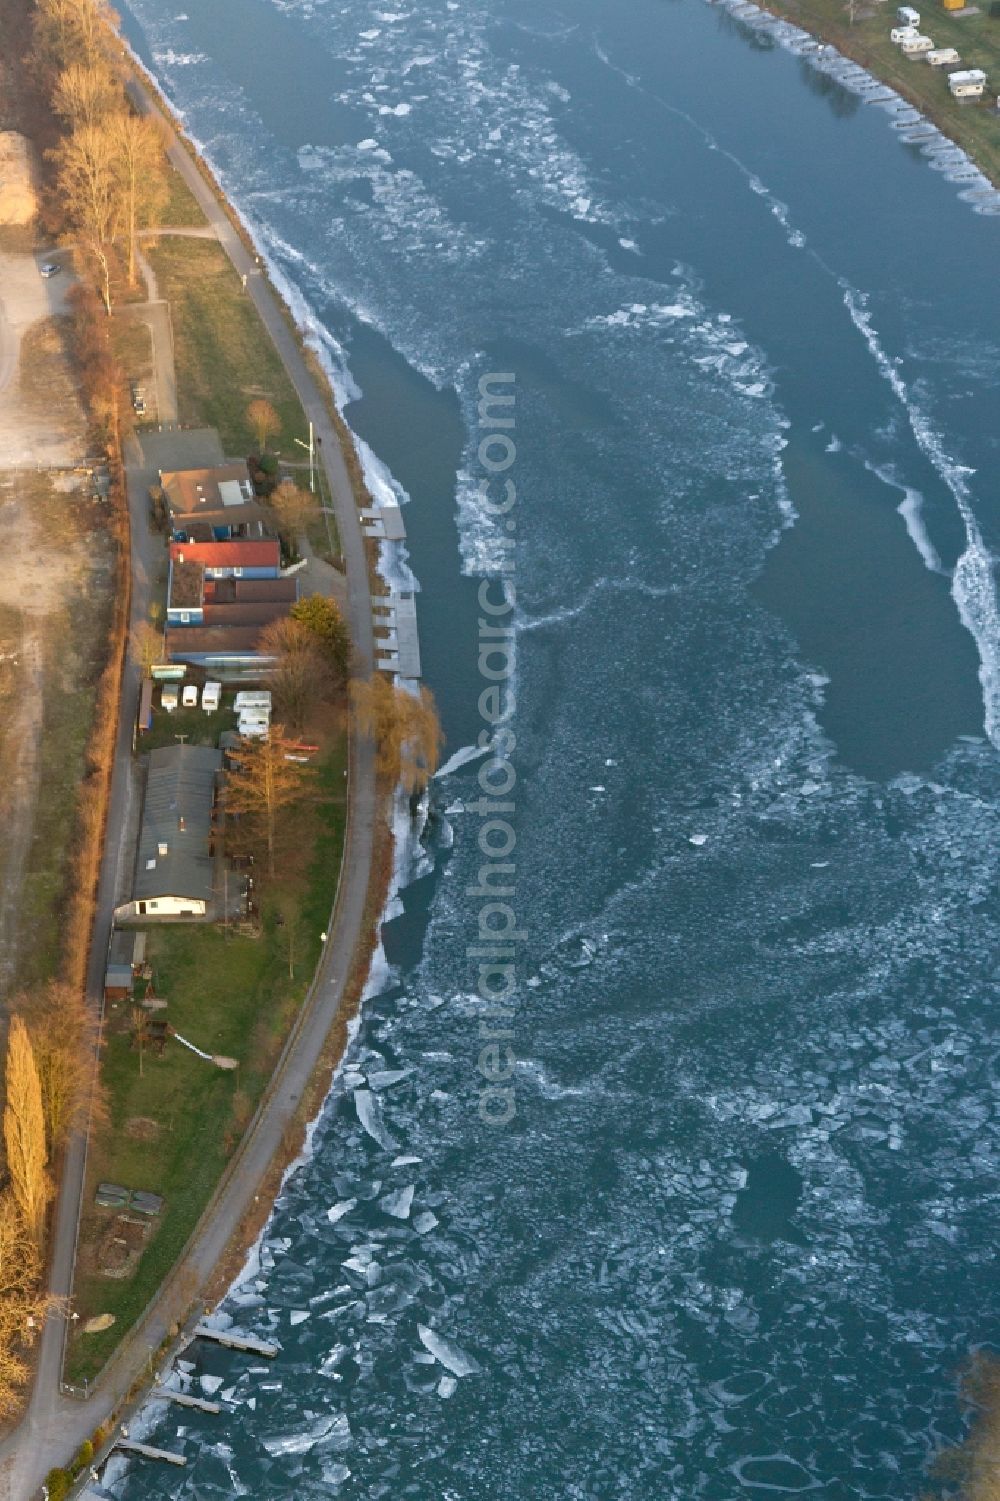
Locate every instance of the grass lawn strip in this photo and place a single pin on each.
(224, 357)
(174, 1127)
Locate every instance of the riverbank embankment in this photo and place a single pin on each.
(55, 1424)
(973, 32)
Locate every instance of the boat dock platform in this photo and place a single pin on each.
(184, 1400)
(132, 1446)
(232, 1339)
(384, 522)
(398, 649)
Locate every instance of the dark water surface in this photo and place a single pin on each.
(741, 1230)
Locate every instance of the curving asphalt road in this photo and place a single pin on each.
(55, 1425)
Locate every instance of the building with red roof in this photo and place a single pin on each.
(259, 559)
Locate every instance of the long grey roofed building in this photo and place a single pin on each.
(173, 868)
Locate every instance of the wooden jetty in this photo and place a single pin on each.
(398, 650)
(132, 1446)
(234, 1340)
(384, 522)
(184, 1400)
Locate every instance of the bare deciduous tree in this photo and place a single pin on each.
(24, 1131)
(91, 190)
(265, 782)
(404, 726)
(86, 92)
(300, 675)
(264, 420)
(68, 31)
(141, 1032)
(138, 146)
(64, 1034)
(294, 509)
(22, 1305)
(148, 647)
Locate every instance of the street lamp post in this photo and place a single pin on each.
(310, 449)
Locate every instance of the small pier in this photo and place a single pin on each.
(232, 1339)
(184, 1400)
(132, 1446)
(398, 649)
(384, 522)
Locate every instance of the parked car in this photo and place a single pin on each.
(189, 698)
(145, 1203)
(49, 268)
(111, 1196)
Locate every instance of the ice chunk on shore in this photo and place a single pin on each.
(450, 1355)
(339, 1210)
(424, 1222)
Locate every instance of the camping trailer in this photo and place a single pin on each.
(253, 729)
(899, 34)
(916, 45)
(211, 697)
(907, 16)
(943, 57)
(968, 84)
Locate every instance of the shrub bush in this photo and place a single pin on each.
(83, 1457)
(57, 1483)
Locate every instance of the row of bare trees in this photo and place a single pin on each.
(47, 1095)
(110, 171)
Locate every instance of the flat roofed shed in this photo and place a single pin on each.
(118, 978)
(176, 833)
(187, 584)
(190, 641)
(230, 591)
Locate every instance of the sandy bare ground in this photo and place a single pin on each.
(34, 431)
(41, 427)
